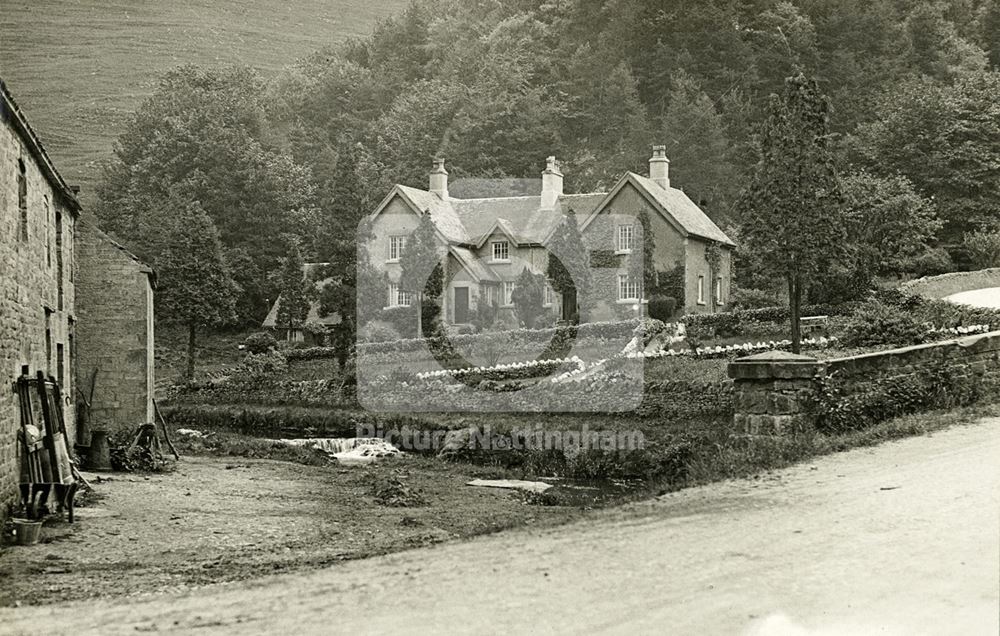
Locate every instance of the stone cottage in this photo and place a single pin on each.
(315, 320)
(67, 293)
(487, 242)
(114, 356)
(38, 226)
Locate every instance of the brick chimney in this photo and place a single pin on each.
(439, 179)
(552, 184)
(659, 167)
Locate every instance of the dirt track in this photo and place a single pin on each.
(899, 539)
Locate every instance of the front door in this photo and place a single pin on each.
(569, 305)
(461, 305)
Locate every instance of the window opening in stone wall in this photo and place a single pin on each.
(59, 258)
(22, 199)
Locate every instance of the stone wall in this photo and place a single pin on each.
(775, 393)
(953, 283)
(115, 332)
(37, 300)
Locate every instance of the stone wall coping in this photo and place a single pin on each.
(966, 342)
(774, 364)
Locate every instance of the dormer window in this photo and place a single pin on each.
(625, 239)
(501, 251)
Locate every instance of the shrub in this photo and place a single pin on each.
(841, 408)
(378, 331)
(662, 307)
(983, 248)
(753, 299)
(260, 368)
(403, 319)
(261, 342)
(932, 262)
(877, 324)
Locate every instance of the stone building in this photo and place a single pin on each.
(71, 299)
(488, 242)
(114, 305)
(38, 226)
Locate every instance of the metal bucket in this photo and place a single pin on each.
(27, 532)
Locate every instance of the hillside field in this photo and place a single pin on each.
(79, 67)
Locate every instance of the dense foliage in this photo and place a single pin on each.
(495, 86)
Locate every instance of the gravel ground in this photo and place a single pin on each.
(897, 539)
(218, 519)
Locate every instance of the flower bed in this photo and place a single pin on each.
(502, 372)
(747, 348)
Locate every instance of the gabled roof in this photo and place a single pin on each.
(504, 227)
(445, 219)
(308, 272)
(673, 204)
(10, 112)
(476, 267)
(470, 222)
(85, 225)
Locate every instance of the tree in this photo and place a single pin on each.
(888, 220)
(421, 266)
(888, 225)
(529, 297)
(792, 210)
(984, 248)
(946, 141)
(568, 265)
(295, 288)
(195, 287)
(206, 132)
(698, 145)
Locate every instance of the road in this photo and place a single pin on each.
(902, 538)
(989, 298)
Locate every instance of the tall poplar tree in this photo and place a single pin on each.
(793, 210)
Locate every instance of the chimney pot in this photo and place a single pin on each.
(552, 184)
(659, 167)
(439, 179)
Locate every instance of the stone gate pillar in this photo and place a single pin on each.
(773, 391)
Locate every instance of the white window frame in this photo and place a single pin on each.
(550, 295)
(628, 289)
(701, 290)
(504, 247)
(625, 239)
(492, 291)
(398, 297)
(397, 244)
(718, 291)
(508, 293)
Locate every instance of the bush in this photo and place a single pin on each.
(753, 299)
(841, 409)
(378, 331)
(402, 319)
(261, 342)
(983, 248)
(877, 324)
(260, 368)
(662, 307)
(932, 262)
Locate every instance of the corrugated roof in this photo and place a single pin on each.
(683, 210)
